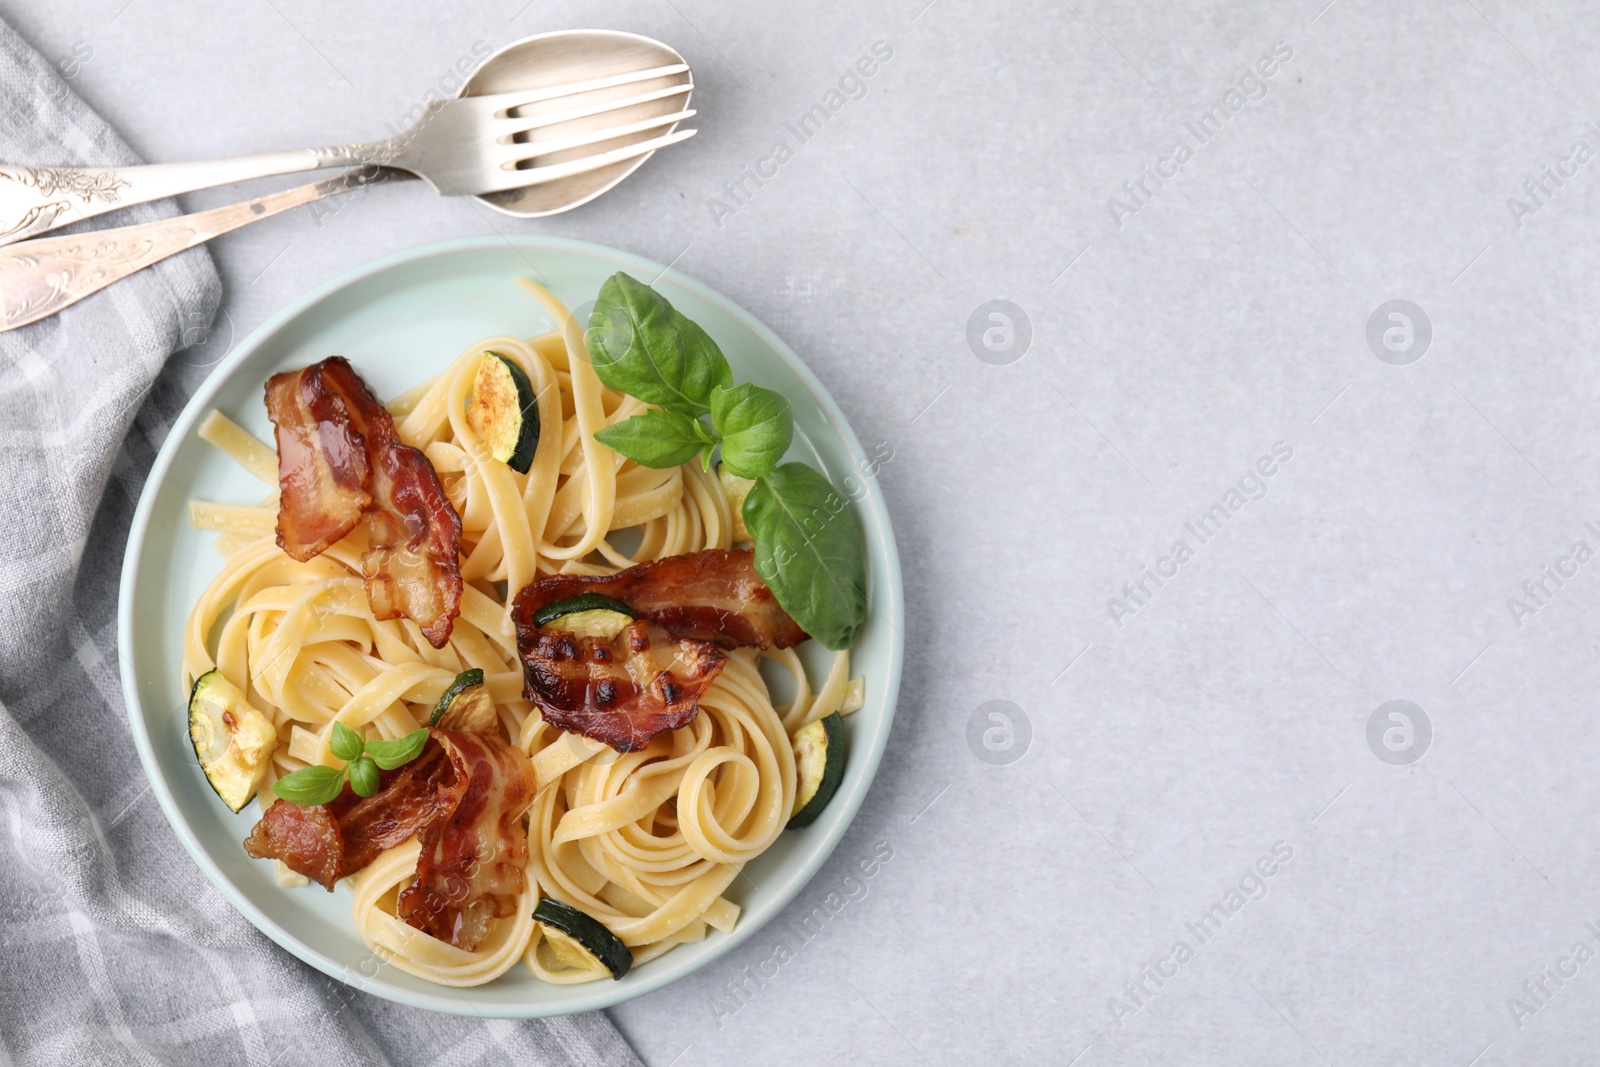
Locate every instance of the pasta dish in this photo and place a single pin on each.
(500, 654)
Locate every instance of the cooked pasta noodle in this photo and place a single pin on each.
(648, 842)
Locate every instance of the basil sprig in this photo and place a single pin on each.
(756, 425)
(808, 546)
(808, 551)
(658, 438)
(319, 785)
(643, 346)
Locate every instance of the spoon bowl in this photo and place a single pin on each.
(566, 57)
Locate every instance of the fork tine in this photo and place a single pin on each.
(521, 150)
(516, 179)
(509, 101)
(510, 127)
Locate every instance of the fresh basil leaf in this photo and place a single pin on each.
(756, 425)
(400, 751)
(655, 439)
(364, 776)
(310, 785)
(345, 743)
(809, 552)
(641, 345)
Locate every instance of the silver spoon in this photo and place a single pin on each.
(40, 277)
(531, 114)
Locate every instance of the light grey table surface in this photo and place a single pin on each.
(1028, 892)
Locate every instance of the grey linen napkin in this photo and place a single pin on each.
(113, 947)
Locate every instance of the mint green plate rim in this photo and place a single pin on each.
(163, 556)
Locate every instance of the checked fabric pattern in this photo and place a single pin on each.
(114, 949)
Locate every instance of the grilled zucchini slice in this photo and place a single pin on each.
(466, 706)
(581, 941)
(586, 615)
(819, 760)
(505, 411)
(232, 740)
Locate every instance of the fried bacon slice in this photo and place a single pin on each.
(650, 677)
(464, 795)
(325, 842)
(623, 691)
(340, 462)
(471, 868)
(711, 596)
(322, 463)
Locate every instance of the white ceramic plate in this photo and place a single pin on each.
(399, 320)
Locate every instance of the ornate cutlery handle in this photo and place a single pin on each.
(36, 199)
(40, 277)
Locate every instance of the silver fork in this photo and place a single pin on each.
(462, 147)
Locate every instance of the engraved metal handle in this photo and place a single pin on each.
(40, 277)
(36, 199)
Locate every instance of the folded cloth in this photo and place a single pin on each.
(113, 947)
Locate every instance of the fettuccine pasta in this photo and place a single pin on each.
(648, 842)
